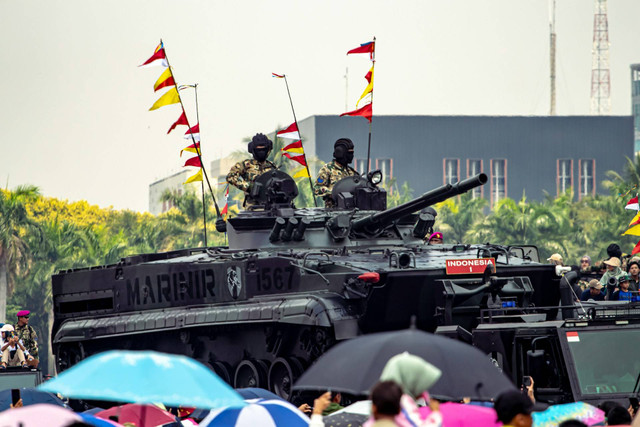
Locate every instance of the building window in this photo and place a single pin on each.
(498, 180)
(474, 167)
(564, 175)
(450, 171)
(587, 177)
(386, 167)
(361, 165)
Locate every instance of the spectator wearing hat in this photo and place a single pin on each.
(633, 268)
(436, 238)
(613, 271)
(13, 351)
(623, 293)
(28, 336)
(556, 259)
(593, 292)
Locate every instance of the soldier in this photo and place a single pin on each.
(243, 173)
(28, 336)
(335, 170)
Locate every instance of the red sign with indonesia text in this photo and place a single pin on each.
(468, 266)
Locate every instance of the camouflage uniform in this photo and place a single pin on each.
(29, 338)
(327, 177)
(243, 173)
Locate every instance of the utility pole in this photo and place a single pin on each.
(600, 80)
(552, 55)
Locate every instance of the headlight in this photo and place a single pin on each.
(375, 177)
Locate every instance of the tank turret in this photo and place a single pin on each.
(360, 219)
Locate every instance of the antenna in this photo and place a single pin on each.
(552, 55)
(600, 81)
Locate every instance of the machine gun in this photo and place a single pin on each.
(374, 223)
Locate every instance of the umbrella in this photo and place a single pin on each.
(45, 414)
(465, 415)
(258, 412)
(257, 393)
(140, 415)
(144, 377)
(555, 414)
(30, 396)
(453, 415)
(355, 365)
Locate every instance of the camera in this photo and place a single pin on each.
(613, 281)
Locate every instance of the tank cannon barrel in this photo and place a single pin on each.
(382, 219)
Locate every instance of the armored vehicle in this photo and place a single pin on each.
(293, 282)
(583, 355)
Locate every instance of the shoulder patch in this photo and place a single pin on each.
(320, 180)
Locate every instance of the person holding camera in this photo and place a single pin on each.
(612, 275)
(13, 351)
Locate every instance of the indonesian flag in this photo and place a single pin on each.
(181, 121)
(194, 178)
(367, 48)
(158, 58)
(165, 80)
(298, 158)
(636, 249)
(366, 112)
(170, 97)
(193, 132)
(633, 204)
(194, 161)
(289, 133)
(193, 148)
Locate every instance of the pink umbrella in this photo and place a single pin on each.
(140, 415)
(35, 415)
(465, 415)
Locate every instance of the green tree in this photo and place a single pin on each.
(15, 224)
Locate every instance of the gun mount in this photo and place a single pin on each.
(372, 224)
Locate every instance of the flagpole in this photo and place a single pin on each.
(204, 171)
(204, 208)
(306, 163)
(373, 73)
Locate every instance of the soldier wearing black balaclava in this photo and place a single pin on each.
(243, 173)
(335, 170)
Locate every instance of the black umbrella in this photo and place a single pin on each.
(354, 366)
(30, 396)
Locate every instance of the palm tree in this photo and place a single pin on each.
(15, 224)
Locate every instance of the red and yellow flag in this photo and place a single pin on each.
(194, 161)
(165, 80)
(181, 121)
(366, 112)
(170, 97)
(193, 148)
(195, 178)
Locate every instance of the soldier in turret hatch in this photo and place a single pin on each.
(335, 170)
(243, 174)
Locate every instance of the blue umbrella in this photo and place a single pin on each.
(258, 412)
(144, 377)
(257, 393)
(30, 396)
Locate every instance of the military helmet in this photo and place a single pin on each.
(259, 139)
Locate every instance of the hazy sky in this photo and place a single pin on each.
(74, 116)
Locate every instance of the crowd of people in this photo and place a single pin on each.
(615, 278)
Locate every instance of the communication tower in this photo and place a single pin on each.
(600, 80)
